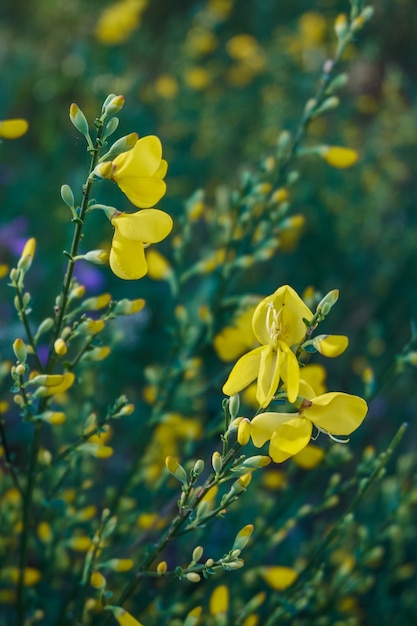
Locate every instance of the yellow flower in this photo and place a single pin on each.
(333, 413)
(234, 340)
(13, 129)
(139, 172)
(278, 324)
(132, 233)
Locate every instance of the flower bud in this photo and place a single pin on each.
(79, 120)
(60, 347)
(27, 255)
(330, 345)
(129, 307)
(67, 196)
(176, 469)
(52, 417)
(99, 257)
(193, 577)
(114, 105)
(97, 580)
(341, 26)
(162, 567)
(234, 404)
(243, 537)
(104, 170)
(243, 432)
(19, 348)
(197, 553)
(217, 462)
(124, 144)
(97, 303)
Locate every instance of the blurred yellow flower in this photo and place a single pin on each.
(278, 325)
(333, 413)
(234, 340)
(197, 78)
(279, 577)
(132, 233)
(13, 129)
(118, 21)
(139, 172)
(338, 156)
(122, 617)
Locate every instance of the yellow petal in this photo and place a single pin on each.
(290, 372)
(143, 160)
(279, 577)
(264, 425)
(13, 129)
(336, 412)
(331, 345)
(142, 192)
(244, 372)
(67, 381)
(162, 169)
(268, 378)
(127, 258)
(290, 438)
(147, 226)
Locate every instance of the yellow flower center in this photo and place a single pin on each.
(274, 324)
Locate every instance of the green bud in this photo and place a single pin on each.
(234, 404)
(67, 196)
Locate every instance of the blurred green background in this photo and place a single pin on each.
(218, 110)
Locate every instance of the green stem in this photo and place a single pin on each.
(59, 319)
(172, 531)
(27, 505)
(79, 223)
(8, 462)
(364, 486)
(29, 335)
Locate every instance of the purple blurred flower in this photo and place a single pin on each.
(13, 235)
(89, 275)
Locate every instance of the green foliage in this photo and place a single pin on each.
(127, 481)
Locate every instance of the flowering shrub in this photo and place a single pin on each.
(163, 450)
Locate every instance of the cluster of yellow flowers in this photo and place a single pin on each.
(280, 324)
(139, 173)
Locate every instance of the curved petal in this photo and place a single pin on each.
(147, 226)
(142, 192)
(268, 378)
(331, 345)
(290, 438)
(244, 372)
(336, 412)
(127, 258)
(290, 372)
(143, 159)
(263, 426)
(162, 169)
